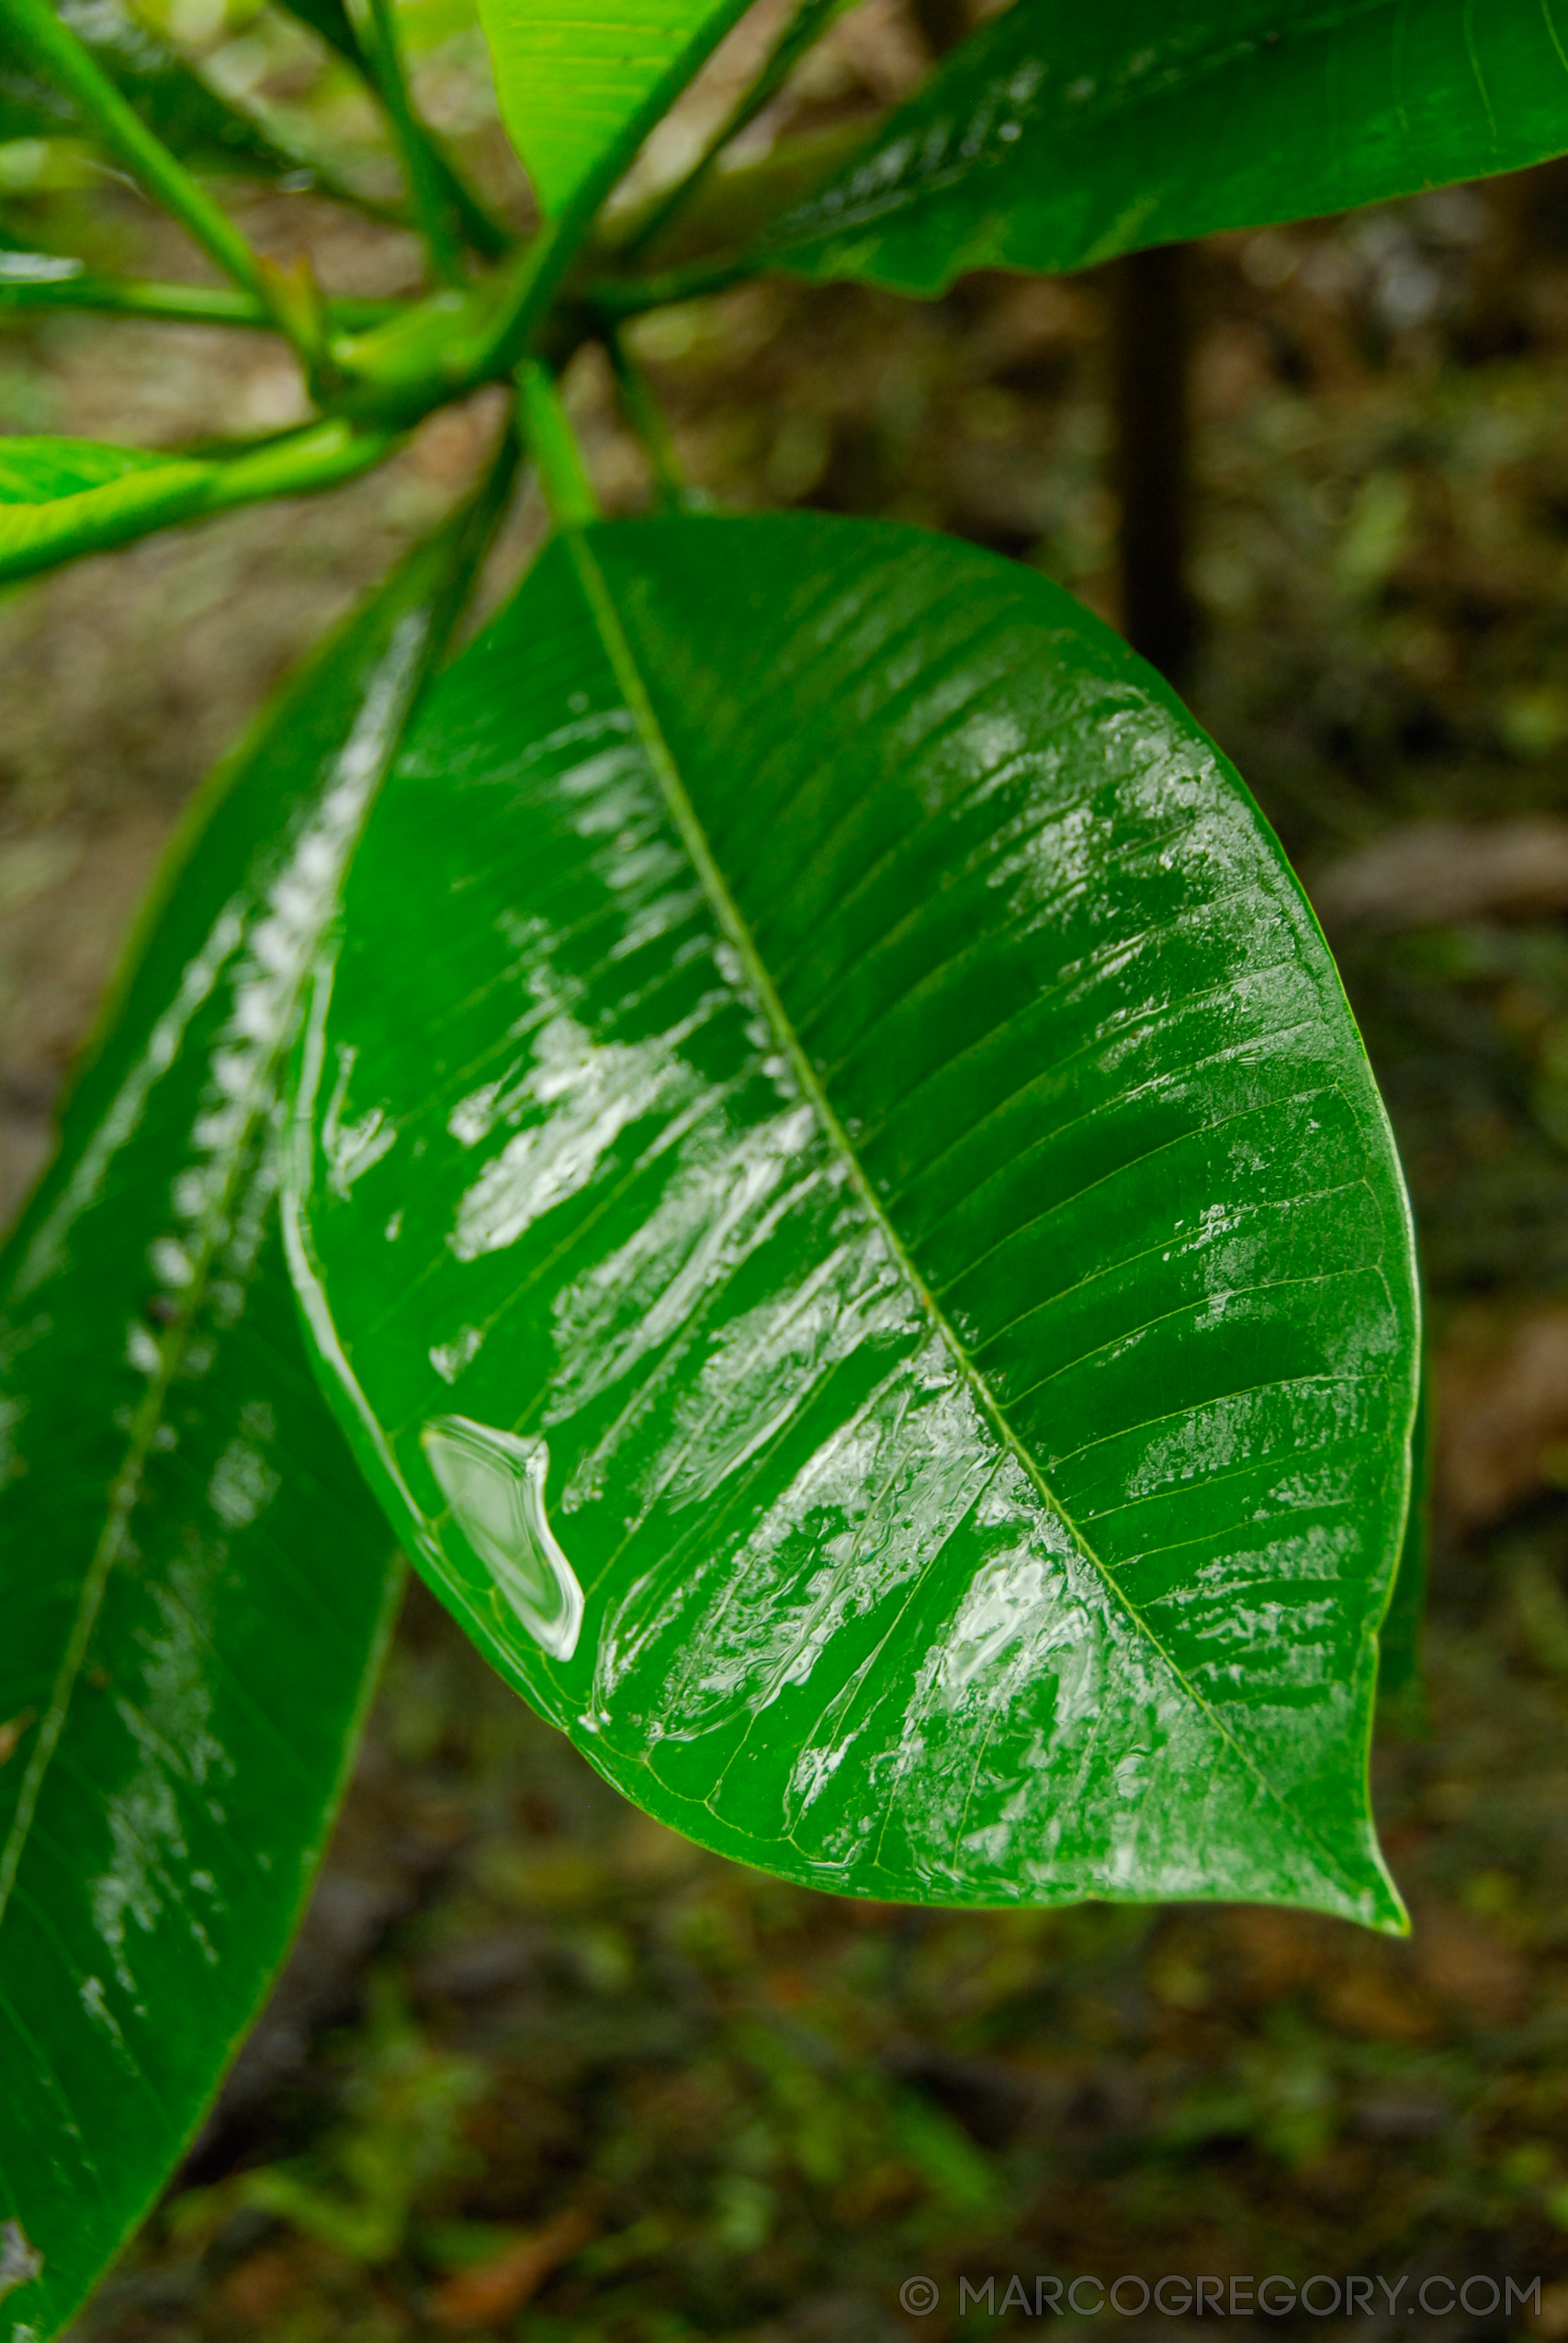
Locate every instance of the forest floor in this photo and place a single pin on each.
(540, 2069)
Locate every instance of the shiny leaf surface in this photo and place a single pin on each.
(861, 1250)
(1058, 136)
(194, 1577)
(584, 83)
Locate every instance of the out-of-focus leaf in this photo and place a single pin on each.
(329, 20)
(580, 86)
(63, 498)
(38, 471)
(172, 99)
(193, 1580)
(1058, 135)
(861, 1250)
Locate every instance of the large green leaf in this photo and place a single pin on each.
(861, 1250)
(64, 498)
(1060, 135)
(581, 84)
(193, 1580)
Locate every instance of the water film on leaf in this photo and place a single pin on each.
(870, 1097)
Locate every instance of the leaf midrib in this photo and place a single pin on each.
(628, 676)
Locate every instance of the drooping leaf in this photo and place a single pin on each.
(172, 100)
(1058, 135)
(64, 498)
(581, 86)
(863, 1251)
(193, 1580)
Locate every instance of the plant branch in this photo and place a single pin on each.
(647, 419)
(630, 296)
(425, 188)
(67, 60)
(329, 22)
(725, 232)
(453, 341)
(810, 18)
(527, 288)
(175, 304)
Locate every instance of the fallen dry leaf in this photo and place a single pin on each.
(493, 2289)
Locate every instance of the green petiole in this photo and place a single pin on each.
(428, 196)
(70, 285)
(550, 440)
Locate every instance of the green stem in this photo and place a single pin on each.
(647, 419)
(552, 443)
(810, 18)
(736, 219)
(68, 61)
(429, 199)
(526, 290)
(176, 304)
(485, 235)
(452, 342)
(331, 23)
(630, 296)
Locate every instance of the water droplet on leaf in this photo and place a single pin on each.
(494, 1484)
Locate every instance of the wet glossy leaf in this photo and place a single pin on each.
(193, 1580)
(585, 83)
(1060, 135)
(172, 99)
(861, 1249)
